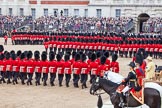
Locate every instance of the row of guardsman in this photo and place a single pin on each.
(122, 44)
(23, 65)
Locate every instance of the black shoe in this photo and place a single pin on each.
(67, 85)
(31, 83)
(4, 81)
(13, 82)
(27, 83)
(16, 82)
(82, 86)
(36, 83)
(44, 84)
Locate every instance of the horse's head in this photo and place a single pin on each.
(95, 86)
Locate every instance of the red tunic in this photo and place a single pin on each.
(67, 67)
(101, 70)
(44, 66)
(60, 67)
(140, 76)
(2, 65)
(38, 67)
(93, 67)
(76, 67)
(8, 65)
(115, 67)
(22, 64)
(84, 68)
(52, 66)
(15, 65)
(30, 66)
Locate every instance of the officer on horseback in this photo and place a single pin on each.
(129, 82)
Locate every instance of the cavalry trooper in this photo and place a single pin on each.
(129, 82)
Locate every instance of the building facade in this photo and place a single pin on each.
(140, 10)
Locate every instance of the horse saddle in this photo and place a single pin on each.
(138, 95)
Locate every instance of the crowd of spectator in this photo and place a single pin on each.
(86, 24)
(152, 25)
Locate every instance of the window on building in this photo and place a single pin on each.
(55, 12)
(99, 13)
(10, 11)
(45, 12)
(0, 11)
(33, 12)
(21, 12)
(118, 12)
(76, 12)
(85, 12)
(66, 12)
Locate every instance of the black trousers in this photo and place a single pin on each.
(130, 54)
(126, 53)
(45, 77)
(52, 78)
(38, 77)
(75, 79)
(30, 76)
(60, 78)
(3, 76)
(92, 78)
(9, 76)
(84, 78)
(15, 76)
(22, 77)
(67, 78)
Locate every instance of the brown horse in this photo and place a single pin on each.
(152, 96)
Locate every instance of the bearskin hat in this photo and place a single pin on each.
(18, 53)
(22, 56)
(44, 52)
(7, 55)
(36, 56)
(1, 48)
(106, 54)
(103, 60)
(66, 57)
(51, 52)
(77, 57)
(139, 59)
(114, 57)
(51, 56)
(13, 56)
(5, 52)
(58, 57)
(29, 54)
(2, 56)
(12, 52)
(83, 56)
(98, 54)
(93, 57)
(37, 52)
(44, 57)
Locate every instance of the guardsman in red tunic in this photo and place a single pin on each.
(93, 65)
(76, 70)
(102, 67)
(139, 71)
(52, 68)
(8, 62)
(84, 71)
(5, 38)
(44, 68)
(30, 67)
(114, 64)
(22, 64)
(15, 68)
(60, 68)
(38, 67)
(106, 54)
(67, 69)
(98, 54)
(2, 68)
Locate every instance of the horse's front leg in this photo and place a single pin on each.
(117, 106)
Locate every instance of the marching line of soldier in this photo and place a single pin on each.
(124, 45)
(46, 66)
